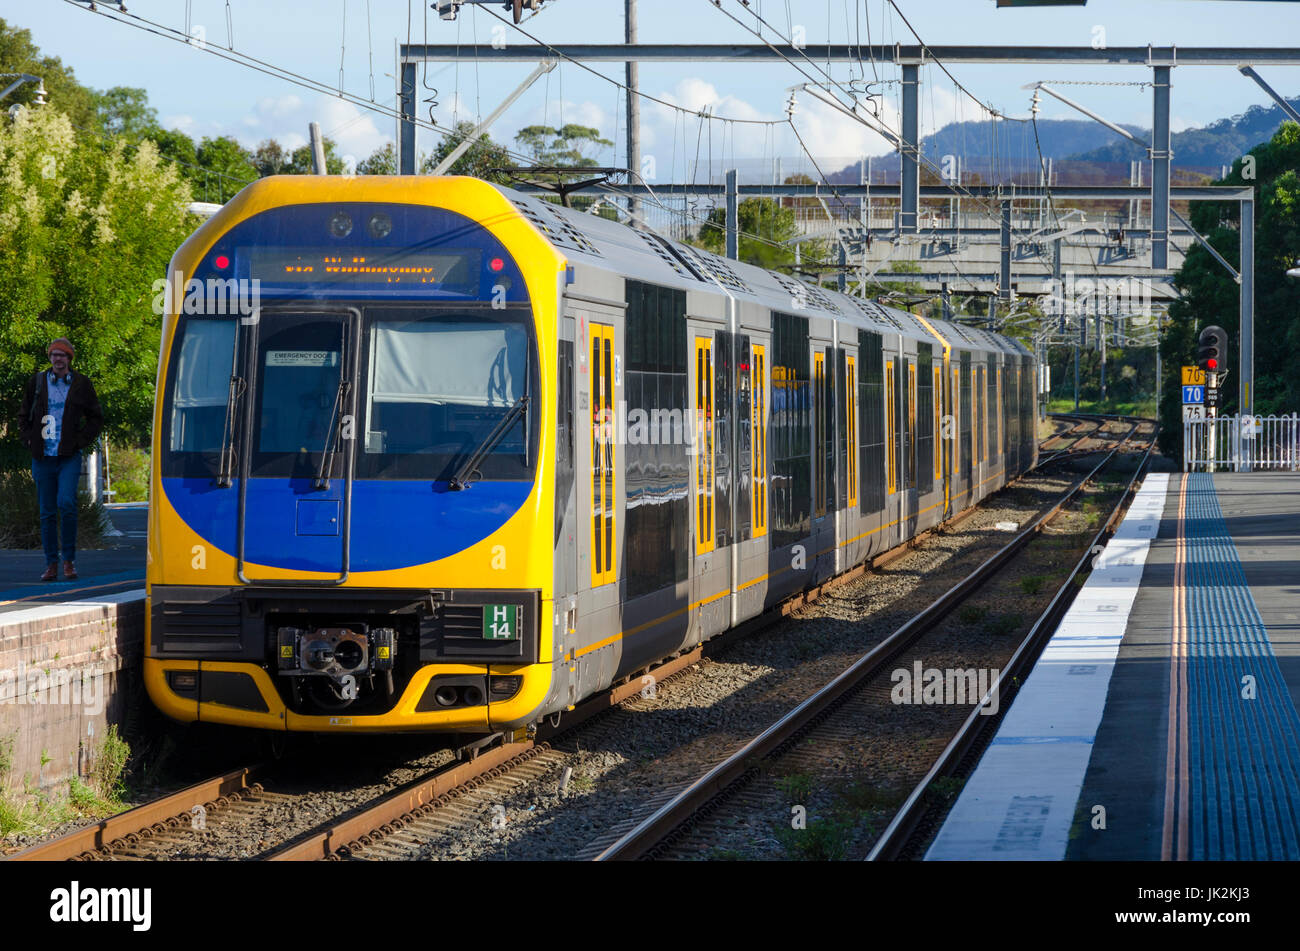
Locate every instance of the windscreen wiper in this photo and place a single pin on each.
(226, 455)
(459, 480)
(330, 449)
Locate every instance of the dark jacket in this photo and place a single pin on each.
(82, 417)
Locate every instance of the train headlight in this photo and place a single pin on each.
(341, 224)
(379, 225)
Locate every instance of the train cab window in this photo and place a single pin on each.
(704, 434)
(437, 386)
(758, 441)
(299, 388)
(202, 370)
(603, 435)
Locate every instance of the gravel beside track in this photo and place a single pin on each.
(579, 792)
(626, 763)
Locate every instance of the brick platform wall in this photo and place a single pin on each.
(66, 672)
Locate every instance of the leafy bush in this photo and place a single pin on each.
(20, 514)
(129, 469)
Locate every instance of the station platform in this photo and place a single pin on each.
(1160, 721)
(114, 569)
(69, 653)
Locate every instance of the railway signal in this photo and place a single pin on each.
(1209, 356)
(1212, 343)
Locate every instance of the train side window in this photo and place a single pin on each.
(1001, 443)
(704, 486)
(938, 423)
(992, 405)
(954, 458)
(911, 425)
(603, 533)
(851, 427)
(967, 421)
(819, 429)
(563, 433)
(871, 421)
(891, 434)
(758, 442)
(981, 442)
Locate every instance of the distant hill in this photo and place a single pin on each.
(1006, 150)
(1220, 143)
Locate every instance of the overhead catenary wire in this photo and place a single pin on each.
(278, 72)
(609, 79)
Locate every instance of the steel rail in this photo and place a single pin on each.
(125, 828)
(651, 831)
(420, 795)
(896, 836)
(338, 838)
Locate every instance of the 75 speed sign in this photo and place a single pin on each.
(1193, 412)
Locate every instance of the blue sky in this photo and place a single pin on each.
(198, 92)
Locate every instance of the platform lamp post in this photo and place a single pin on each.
(1294, 274)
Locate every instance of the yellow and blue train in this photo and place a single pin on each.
(435, 455)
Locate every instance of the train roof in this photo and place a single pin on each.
(645, 255)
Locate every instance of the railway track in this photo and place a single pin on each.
(703, 800)
(387, 825)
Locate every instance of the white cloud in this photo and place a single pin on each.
(355, 131)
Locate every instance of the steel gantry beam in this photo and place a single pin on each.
(878, 190)
(854, 53)
(1161, 154)
(1160, 60)
(1259, 80)
(909, 150)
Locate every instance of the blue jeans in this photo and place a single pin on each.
(56, 487)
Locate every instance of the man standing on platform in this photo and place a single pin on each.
(60, 417)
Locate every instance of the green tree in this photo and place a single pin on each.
(176, 147)
(301, 161)
(382, 161)
(225, 167)
(125, 110)
(84, 233)
(1208, 295)
(568, 145)
(18, 54)
(478, 161)
(765, 227)
(271, 158)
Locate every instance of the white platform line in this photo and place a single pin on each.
(41, 612)
(1019, 803)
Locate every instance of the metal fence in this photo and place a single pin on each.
(1242, 443)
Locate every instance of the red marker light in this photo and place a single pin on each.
(1212, 364)
(222, 262)
(496, 264)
